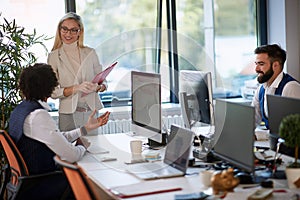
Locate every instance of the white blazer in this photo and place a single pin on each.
(67, 77)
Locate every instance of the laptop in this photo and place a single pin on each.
(176, 158)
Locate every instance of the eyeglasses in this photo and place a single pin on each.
(73, 31)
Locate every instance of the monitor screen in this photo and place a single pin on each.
(146, 105)
(196, 98)
(235, 125)
(278, 108)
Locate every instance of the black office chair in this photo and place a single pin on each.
(18, 183)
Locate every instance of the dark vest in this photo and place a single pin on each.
(286, 78)
(38, 157)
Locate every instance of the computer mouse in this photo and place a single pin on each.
(244, 177)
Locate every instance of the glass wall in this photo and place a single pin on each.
(218, 36)
(123, 31)
(212, 35)
(43, 16)
(235, 41)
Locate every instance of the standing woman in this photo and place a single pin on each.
(75, 66)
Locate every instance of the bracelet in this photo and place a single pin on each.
(83, 130)
(99, 88)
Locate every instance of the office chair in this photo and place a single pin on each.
(18, 183)
(80, 184)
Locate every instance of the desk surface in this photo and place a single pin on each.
(113, 174)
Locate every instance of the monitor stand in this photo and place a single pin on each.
(203, 151)
(156, 145)
(205, 156)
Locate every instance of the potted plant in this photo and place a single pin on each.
(15, 54)
(289, 130)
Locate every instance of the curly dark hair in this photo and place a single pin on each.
(37, 82)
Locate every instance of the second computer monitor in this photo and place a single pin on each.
(234, 134)
(278, 108)
(196, 98)
(146, 105)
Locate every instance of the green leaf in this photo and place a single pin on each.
(15, 54)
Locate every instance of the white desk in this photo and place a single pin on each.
(107, 175)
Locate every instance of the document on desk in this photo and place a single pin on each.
(261, 134)
(145, 188)
(94, 149)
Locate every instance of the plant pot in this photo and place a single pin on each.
(293, 175)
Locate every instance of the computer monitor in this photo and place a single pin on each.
(278, 108)
(146, 106)
(196, 98)
(234, 136)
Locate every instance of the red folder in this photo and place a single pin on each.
(99, 78)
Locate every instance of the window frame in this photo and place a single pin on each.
(261, 19)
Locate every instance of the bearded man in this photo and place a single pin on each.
(269, 65)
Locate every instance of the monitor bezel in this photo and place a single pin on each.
(222, 114)
(153, 133)
(185, 95)
(279, 107)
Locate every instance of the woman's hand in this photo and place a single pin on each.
(86, 87)
(94, 123)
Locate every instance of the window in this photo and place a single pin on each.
(218, 36)
(123, 31)
(209, 37)
(235, 41)
(209, 34)
(42, 16)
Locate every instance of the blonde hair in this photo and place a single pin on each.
(70, 15)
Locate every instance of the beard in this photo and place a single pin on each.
(265, 76)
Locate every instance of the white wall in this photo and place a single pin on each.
(284, 29)
(292, 11)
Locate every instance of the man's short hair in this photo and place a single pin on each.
(274, 51)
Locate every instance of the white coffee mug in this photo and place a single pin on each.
(205, 177)
(136, 147)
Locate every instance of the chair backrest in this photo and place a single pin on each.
(16, 162)
(80, 184)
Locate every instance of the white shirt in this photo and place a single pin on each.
(291, 89)
(39, 125)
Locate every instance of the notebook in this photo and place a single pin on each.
(175, 162)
